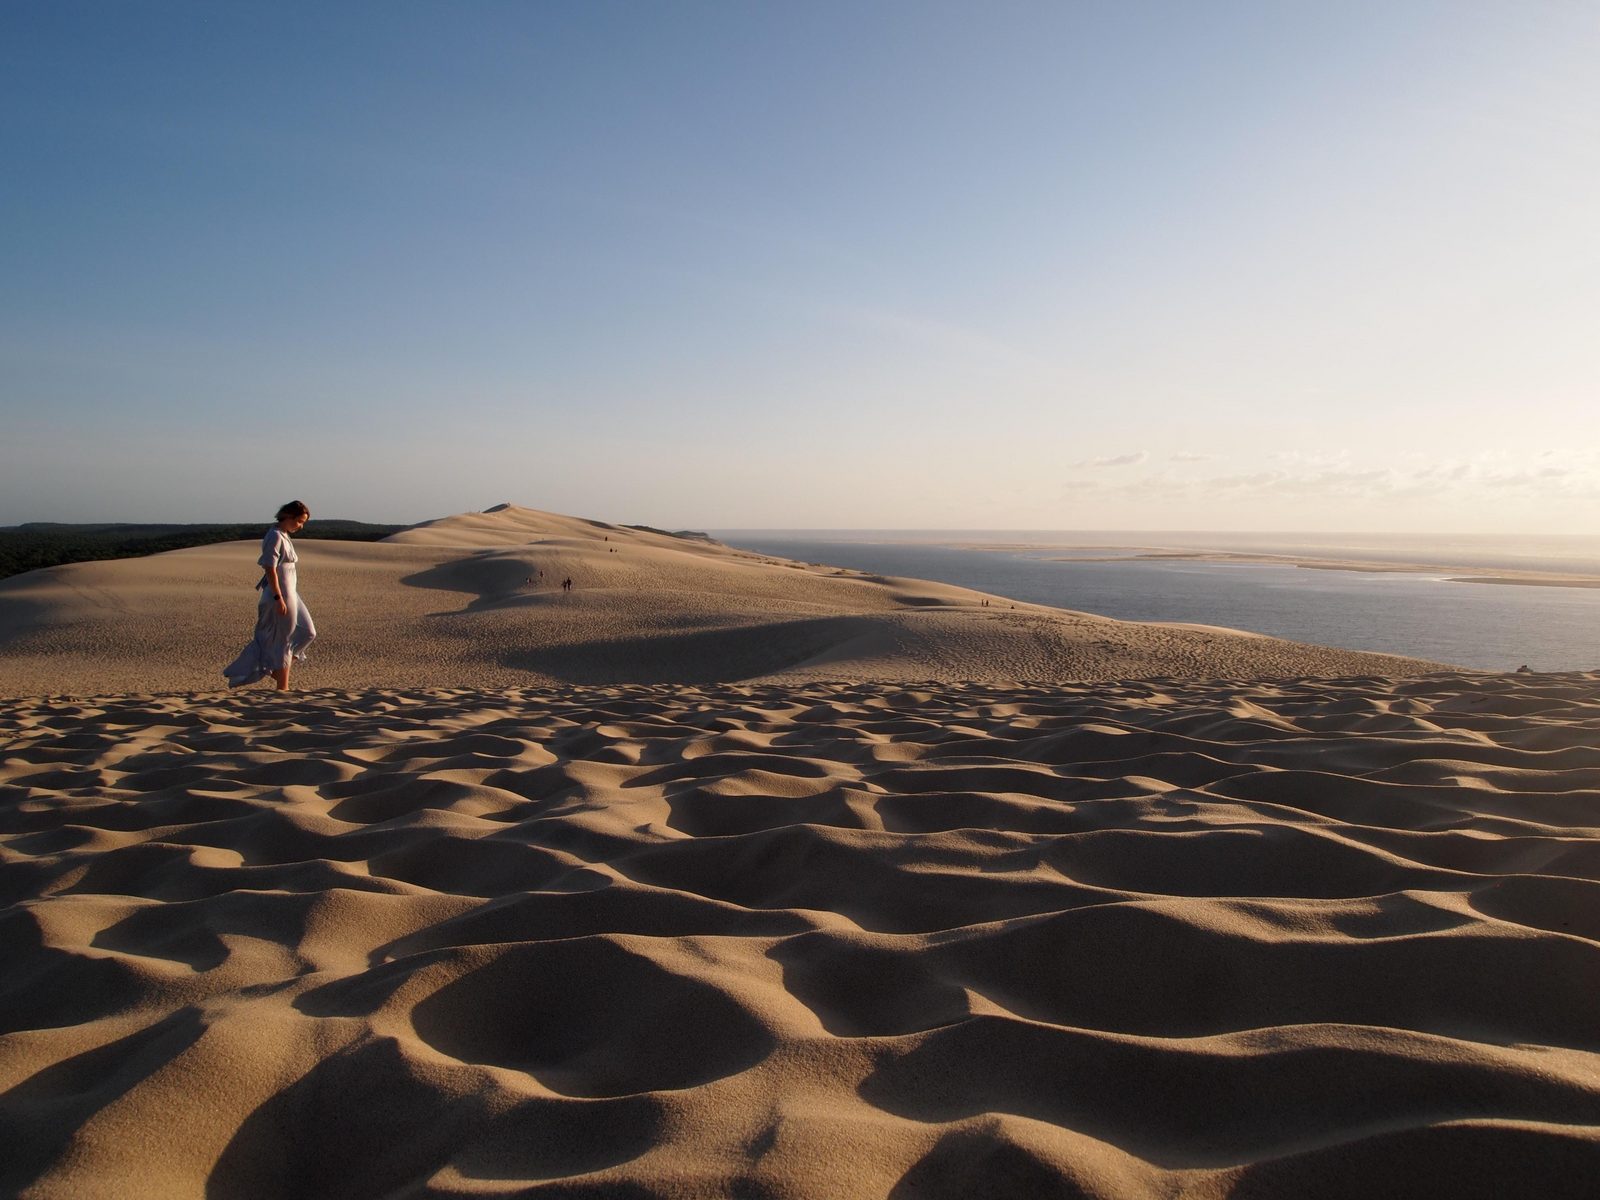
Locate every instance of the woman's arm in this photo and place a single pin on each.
(274, 564)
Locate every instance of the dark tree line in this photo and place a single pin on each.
(46, 544)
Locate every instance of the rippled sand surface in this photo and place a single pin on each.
(1310, 938)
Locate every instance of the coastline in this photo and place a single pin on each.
(1445, 572)
(1396, 605)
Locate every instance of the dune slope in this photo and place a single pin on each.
(475, 601)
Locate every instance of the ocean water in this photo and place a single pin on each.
(1496, 627)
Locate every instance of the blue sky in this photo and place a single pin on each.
(1009, 265)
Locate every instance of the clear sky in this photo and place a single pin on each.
(1057, 265)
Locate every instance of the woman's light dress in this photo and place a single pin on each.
(280, 637)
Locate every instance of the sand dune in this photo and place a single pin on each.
(1306, 938)
(622, 893)
(461, 602)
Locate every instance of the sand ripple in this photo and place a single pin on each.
(1164, 938)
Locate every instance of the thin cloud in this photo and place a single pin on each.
(1119, 460)
(1498, 472)
(1498, 475)
(1312, 459)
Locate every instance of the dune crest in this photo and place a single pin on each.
(475, 601)
(1120, 940)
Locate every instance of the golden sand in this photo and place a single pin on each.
(1188, 936)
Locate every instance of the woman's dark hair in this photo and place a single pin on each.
(294, 508)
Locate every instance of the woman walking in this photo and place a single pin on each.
(283, 622)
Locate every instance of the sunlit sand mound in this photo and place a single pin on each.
(476, 601)
(1316, 938)
(513, 525)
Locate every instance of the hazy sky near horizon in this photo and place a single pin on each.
(916, 264)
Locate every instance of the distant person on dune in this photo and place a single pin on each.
(283, 622)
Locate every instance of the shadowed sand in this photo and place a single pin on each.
(1310, 938)
(459, 603)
